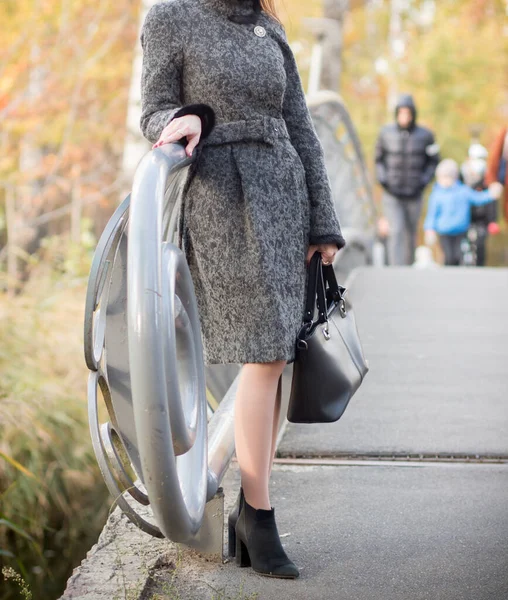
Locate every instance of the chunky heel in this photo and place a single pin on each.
(231, 540)
(242, 554)
(232, 519)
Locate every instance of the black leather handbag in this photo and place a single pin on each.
(329, 365)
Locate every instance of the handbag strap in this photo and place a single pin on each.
(336, 291)
(315, 289)
(310, 300)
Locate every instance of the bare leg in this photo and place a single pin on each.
(276, 417)
(255, 409)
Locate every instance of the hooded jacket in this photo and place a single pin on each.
(406, 158)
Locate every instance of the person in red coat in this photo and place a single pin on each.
(497, 169)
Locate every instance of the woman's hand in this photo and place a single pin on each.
(327, 251)
(188, 127)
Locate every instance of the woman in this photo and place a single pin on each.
(257, 204)
(497, 166)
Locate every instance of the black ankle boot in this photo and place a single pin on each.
(258, 544)
(232, 519)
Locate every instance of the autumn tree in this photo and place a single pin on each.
(453, 56)
(64, 77)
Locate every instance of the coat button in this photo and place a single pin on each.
(260, 31)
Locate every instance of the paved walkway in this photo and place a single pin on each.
(437, 342)
(405, 498)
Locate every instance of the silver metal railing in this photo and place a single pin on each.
(349, 179)
(143, 348)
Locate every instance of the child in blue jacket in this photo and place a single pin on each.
(449, 211)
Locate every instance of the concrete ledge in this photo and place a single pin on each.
(120, 564)
(127, 564)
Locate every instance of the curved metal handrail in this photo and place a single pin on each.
(163, 327)
(143, 348)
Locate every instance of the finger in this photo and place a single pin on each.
(328, 257)
(192, 144)
(310, 253)
(171, 134)
(169, 139)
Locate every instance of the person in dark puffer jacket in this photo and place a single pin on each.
(406, 160)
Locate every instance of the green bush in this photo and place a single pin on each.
(53, 502)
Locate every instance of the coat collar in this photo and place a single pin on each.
(238, 11)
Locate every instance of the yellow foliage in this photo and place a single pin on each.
(456, 67)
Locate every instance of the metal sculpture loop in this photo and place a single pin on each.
(143, 348)
(96, 380)
(166, 362)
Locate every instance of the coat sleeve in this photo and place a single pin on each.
(479, 198)
(431, 160)
(161, 77)
(324, 224)
(494, 158)
(380, 160)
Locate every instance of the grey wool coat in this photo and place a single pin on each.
(258, 193)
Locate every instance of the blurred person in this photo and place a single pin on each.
(406, 158)
(484, 217)
(473, 169)
(497, 170)
(449, 210)
(257, 204)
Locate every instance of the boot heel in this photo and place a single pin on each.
(242, 554)
(232, 520)
(231, 541)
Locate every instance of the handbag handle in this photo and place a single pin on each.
(315, 290)
(335, 291)
(319, 276)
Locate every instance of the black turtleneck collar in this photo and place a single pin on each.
(238, 11)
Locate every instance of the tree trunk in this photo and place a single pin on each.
(335, 11)
(28, 194)
(135, 144)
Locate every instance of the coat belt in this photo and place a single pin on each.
(264, 129)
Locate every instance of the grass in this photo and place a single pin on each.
(53, 502)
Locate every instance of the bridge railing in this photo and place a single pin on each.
(350, 181)
(143, 349)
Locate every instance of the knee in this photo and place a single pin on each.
(272, 369)
(278, 367)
